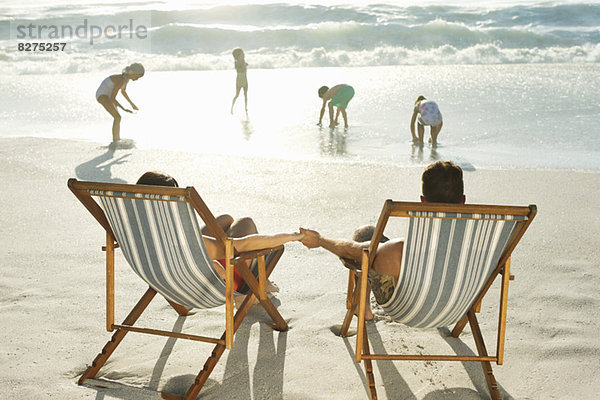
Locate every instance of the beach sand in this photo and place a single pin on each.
(52, 288)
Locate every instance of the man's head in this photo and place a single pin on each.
(442, 182)
(157, 178)
(322, 91)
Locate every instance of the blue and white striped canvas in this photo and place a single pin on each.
(162, 242)
(446, 261)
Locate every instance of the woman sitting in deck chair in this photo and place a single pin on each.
(243, 231)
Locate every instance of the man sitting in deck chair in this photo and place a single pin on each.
(243, 231)
(442, 182)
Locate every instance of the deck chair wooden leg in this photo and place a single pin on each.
(279, 322)
(118, 336)
(181, 310)
(369, 367)
(460, 325)
(486, 365)
(216, 354)
(350, 312)
(219, 349)
(351, 285)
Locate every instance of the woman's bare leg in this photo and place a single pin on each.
(224, 221)
(244, 227)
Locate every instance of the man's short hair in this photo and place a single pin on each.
(157, 178)
(322, 91)
(442, 182)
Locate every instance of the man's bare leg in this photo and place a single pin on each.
(244, 227)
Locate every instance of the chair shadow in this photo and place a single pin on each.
(393, 383)
(159, 368)
(395, 386)
(454, 394)
(473, 369)
(267, 378)
(99, 168)
(152, 391)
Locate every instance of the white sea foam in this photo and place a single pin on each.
(289, 35)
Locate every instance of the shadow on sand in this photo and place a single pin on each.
(388, 376)
(99, 168)
(267, 378)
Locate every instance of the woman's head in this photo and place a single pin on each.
(134, 71)
(157, 178)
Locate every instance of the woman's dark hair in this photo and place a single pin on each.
(157, 178)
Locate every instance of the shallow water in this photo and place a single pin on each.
(538, 116)
(516, 80)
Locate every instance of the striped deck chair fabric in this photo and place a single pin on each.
(446, 261)
(156, 228)
(162, 242)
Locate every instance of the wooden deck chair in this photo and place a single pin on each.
(158, 232)
(452, 255)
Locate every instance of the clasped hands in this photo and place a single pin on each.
(310, 238)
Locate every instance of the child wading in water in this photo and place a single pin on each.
(426, 112)
(241, 81)
(107, 93)
(338, 96)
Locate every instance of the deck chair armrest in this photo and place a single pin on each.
(248, 255)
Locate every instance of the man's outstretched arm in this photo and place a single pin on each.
(340, 247)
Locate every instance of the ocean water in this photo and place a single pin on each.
(517, 82)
